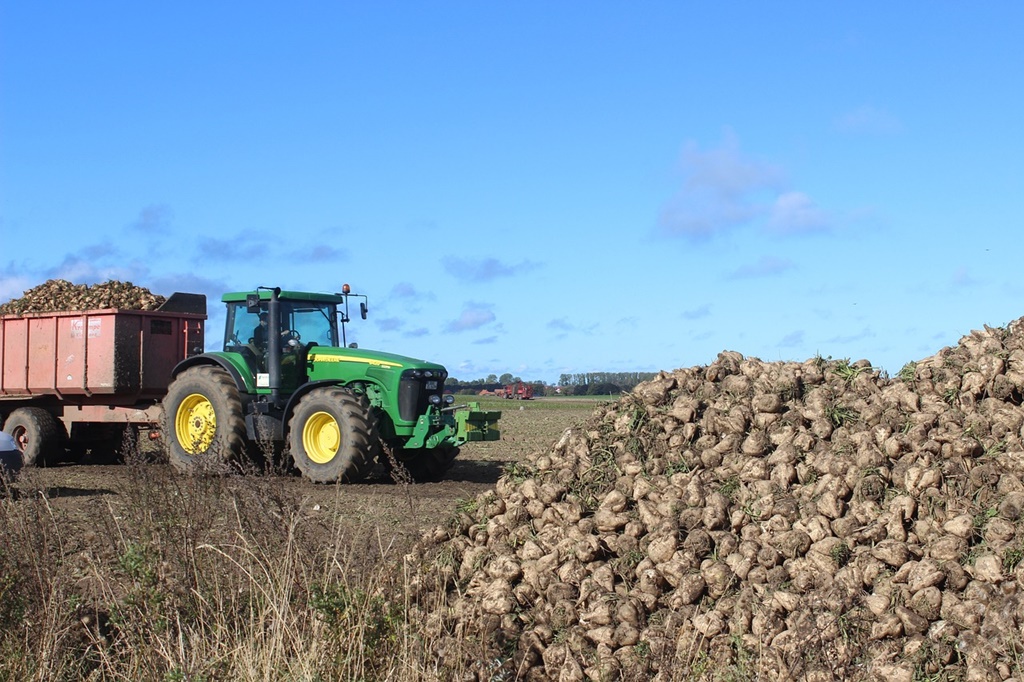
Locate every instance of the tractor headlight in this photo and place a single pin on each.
(449, 399)
(434, 399)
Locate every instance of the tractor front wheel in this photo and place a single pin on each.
(204, 427)
(37, 433)
(333, 436)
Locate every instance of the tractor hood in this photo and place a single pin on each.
(371, 359)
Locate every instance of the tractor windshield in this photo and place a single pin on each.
(313, 321)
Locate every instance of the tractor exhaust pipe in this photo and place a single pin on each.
(274, 346)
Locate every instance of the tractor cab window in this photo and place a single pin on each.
(313, 322)
(244, 328)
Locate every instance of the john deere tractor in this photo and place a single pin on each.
(287, 382)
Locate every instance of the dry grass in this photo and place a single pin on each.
(216, 578)
(188, 578)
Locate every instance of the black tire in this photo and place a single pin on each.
(332, 436)
(40, 437)
(204, 428)
(422, 464)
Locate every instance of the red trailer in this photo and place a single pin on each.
(89, 375)
(518, 391)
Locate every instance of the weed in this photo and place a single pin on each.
(518, 472)
(347, 610)
(729, 486)
(847, 372)
(981, 518)
(637, 424)
(840, 415)
(466, 506)
(995, 449)
(849, 629)
(841, 554)
(1012, 556)
(753, 513)
(680, 467)
(908, 372)
(787, 391)
(596, 480)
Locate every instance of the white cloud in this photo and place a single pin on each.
(243, 246)
(92, 266)
(403, 290)
(723, 188)
(766, 266)
(13, 287)
(154, 219)
(390, 324)
(474, 316)
(793, 339)
(484, 269)
(865, 333)
(320, 253)
(795, 212)
(963, 278)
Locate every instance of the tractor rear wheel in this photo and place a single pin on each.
(40, 437)
(422, 464)
(333, 436)
(204, 429)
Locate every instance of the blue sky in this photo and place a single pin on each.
(534, 188)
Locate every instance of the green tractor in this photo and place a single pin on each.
(287, 382)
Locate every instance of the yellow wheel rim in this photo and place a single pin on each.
(195, 424)
(321, 437)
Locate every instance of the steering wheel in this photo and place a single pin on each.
(291, 334)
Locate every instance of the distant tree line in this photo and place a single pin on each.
(594, 383)
(493, 382)
(585, 383)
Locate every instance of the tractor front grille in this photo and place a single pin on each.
(414, 391)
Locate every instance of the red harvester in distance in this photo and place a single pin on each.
(518, 391)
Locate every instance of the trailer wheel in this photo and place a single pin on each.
(40, 437)
(425, 465)
(204, 426)
(333, 436)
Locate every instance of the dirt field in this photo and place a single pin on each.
(393, 515)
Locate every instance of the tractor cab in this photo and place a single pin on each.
(274, 330)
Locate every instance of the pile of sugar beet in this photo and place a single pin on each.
(57, 295)
(754, 520)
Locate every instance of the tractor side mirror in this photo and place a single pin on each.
(252, 303)
(363, 309)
